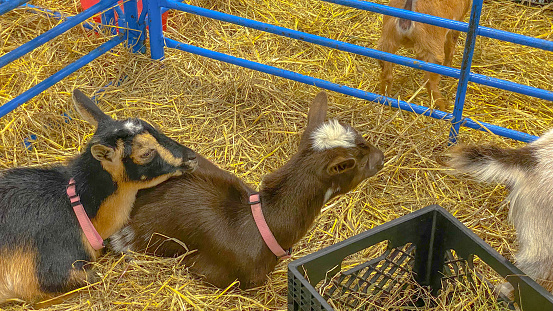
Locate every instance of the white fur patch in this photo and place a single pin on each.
(497, 172)
(331, 135)
(328, 194)
(133, 127)
(121, 241)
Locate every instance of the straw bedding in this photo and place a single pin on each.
(250, 123)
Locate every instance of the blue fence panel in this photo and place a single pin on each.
(157, 42)
(446, 23)
(348, 90)
(129, 24)
(55, 78)
(54, 32)
(348, 47)
(135, 32)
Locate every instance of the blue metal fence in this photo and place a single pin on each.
(158, 41)
(131, 33)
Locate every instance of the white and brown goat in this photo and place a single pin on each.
(46, 237)
(528, 173)
(209, 210)
(431, 43)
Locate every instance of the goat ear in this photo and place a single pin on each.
(102, 153)
(88, 109)
(340, 165)
(317, 111)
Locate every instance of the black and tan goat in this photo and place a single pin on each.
(210, 212)
(431, 43)
(528, 173)
(43, 250)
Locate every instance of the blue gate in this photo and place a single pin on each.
(130, 34)
(133, 28)
(158, 42)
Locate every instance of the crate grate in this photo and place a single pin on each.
(374, 280)
(432, 243)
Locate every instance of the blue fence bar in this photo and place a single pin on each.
(465, 70)
(482, 126)
(356, 49)
(446, 23)
(53, 79)
(156, 29)
(10, 5)
(132, 33)
(56, 31)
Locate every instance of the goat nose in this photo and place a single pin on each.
(377, 161)
(192, 157)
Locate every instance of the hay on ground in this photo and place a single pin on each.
(249, 123)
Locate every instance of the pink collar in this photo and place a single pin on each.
(90, 232)
(266, 234)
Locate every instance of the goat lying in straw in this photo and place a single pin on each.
(212, 211)
(528, 172)
(431, 43)
(45, 235)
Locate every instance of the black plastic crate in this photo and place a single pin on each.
(429, 247)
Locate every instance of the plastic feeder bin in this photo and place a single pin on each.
(429, 246)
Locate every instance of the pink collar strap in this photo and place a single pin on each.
(266, 234)
(90, 232)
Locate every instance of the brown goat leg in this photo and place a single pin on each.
(433, 89)
(433, 79)
(387, 73)
(386, 78)
(449, 47)
(389, 42)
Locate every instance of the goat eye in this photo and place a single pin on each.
(148, 154)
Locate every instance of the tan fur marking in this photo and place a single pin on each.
(144, 142)
(18, 279)
(115, 210)
(115, 168)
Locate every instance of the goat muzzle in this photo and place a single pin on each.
(190, 164)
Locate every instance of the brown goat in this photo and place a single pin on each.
(208, 210)
(431, 43)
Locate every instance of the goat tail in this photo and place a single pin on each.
(492, 164)
(405, 26)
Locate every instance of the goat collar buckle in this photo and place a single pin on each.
(90, 232)
(255, 203)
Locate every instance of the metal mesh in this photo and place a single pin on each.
(458, 270)
(373, 281)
